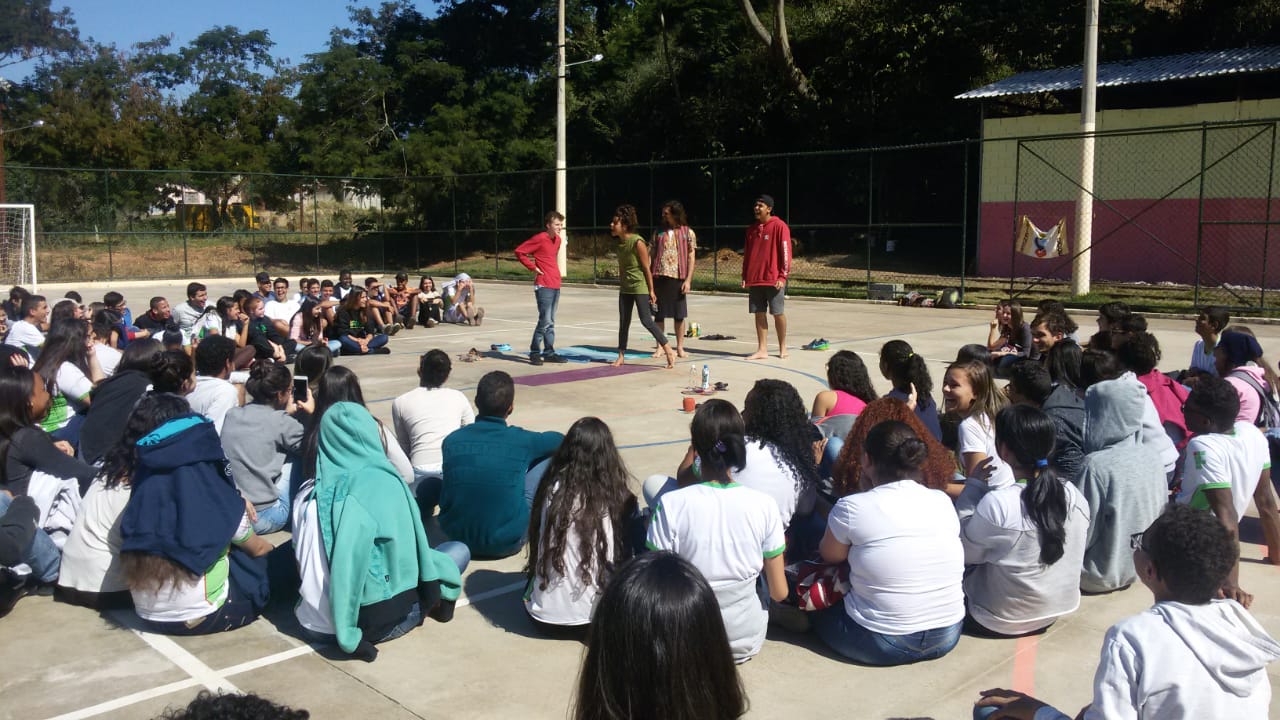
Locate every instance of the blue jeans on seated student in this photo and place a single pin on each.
(842, 634)
(275, 517)
(353, 347)
(44, 558)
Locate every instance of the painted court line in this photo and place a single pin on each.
(504, 590)
(127, 700)
(1024, 664)
(191, 664)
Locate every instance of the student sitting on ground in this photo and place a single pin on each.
(1030, 384)
(902, 543)
(1101, 365)
(1210, 324)
(115, 398)
(850, 387)
(1140, 355)
(100, 332)
(369, 575)
(1228, 463)
(404, 300)
(158, 319)
(91, 572)
(1237, 357)
(32, 323)
(1188, 656)
(491, 473)
(1010, 337)
(430, 302)
(22, 542)
(968, 392)
(262, 442)
(233, 324)
(309, 327)
(1110, 320)
(425, 415)
(460, 301)
(1024, 545)
(340, 384)
(24, 447)
(280, 308)
(730, 532)
(191, 559)
(380, 312)
(267, 340)
(214, 394)
(349, 327)
(937, 472)
(74, 368)
(578, 535)
(658, 643)
(1122, 478)
(908, 373)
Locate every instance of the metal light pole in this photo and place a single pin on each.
(562, 172)
(1080, 264)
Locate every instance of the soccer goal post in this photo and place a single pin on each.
(18, 246)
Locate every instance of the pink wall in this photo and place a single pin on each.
(1230, 254)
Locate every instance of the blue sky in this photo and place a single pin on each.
(297, 27)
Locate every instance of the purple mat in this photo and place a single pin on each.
(587, 373)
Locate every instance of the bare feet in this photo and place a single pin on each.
(758, 355)
(671, 359)
(783, 355)
(681, 353)
(658, 353)
(618, 362)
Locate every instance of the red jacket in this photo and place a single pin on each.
(539, 252)
(767, 254)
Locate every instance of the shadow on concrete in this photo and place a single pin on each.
(505, 611)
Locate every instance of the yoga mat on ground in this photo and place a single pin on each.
(582, 353)
(586, 373)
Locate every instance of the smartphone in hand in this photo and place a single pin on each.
(299, 389)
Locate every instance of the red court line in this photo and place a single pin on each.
(1024, 664)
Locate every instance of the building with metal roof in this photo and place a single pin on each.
(1137, 71)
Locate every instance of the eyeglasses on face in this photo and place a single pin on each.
(1136, 542)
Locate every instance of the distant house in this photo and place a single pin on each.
(1157, 216)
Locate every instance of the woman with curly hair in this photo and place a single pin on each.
(850, 385)
(780, 447)
(847, 476)
(577, 539)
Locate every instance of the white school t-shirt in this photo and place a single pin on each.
(24, 335)
(977, 436)
(282, 311)
(1219, 460)
(314, 612)
(108, 358)
(424, 417)
(91, 557)
(567, 600)
(192, 600)
(906, 563)
(726, 531)
(765, 471)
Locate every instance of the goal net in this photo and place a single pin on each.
(18, 246)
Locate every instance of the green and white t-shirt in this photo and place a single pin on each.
(1233, 460)
(193, 600)
(72, 389)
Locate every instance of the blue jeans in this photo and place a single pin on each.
(351, 347)
(842, 634)
(275, 517)
(43, 556)
(544, 333)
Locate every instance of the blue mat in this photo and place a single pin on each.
(587, 353)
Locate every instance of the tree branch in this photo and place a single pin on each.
(754, 21)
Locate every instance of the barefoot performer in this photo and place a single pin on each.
(766, 262)
(635, 284)
(672, 261)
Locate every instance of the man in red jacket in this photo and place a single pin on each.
(538, 253)
(766, 262)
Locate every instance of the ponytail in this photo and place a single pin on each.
(717, 432)
(905, 367)
(728, 454)
(1029, 434)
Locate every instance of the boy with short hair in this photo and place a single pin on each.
(1210, 323)
(1226, 464)
(1188, 656)
(404, 299)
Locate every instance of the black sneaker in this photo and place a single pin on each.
(384, 350)
(554, 358)
(535, 359)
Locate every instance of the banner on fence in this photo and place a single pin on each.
(1039, 243)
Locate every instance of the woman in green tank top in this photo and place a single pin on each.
(635, 284)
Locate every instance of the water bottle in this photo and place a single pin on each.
(706, 378)
(693, 375)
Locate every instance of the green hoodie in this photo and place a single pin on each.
(371, 527)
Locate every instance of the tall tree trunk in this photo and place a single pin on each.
(779, 46)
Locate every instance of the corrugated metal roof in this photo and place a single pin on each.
(1136, 71)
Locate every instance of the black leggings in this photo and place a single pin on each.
(428, 311)
(641, 303)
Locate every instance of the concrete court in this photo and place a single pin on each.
(62, 661)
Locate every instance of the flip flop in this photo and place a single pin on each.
(500, 347)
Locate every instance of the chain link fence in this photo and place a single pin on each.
(1184, 216)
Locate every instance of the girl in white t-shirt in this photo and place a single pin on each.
(780, 461)
(1025, 542)
(730, 532)
(969, 393)
(906, 564)
(68, 358)
(578, 536)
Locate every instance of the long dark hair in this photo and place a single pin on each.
(1028, 433)
(17, 383)
(658, 648)
(896, 452)
(1063, 363)
(904, 368)
(351, 303)
(591, 490)
(266, 381)
(774, 413)
(65, 343)
(1014, 328)
(717, 433)
(338, 384)
(847, 372)
(153, 410)
(310, 323)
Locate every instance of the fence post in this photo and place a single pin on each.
(315, 212)
(1204, 148)
(453, 210)
(1266, 229)
(964, 220)
(595, 246)
(715, 227)
(871, 184)
(1013, 239)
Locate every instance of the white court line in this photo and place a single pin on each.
(193, 666)
(202, 674)
(127, 700)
